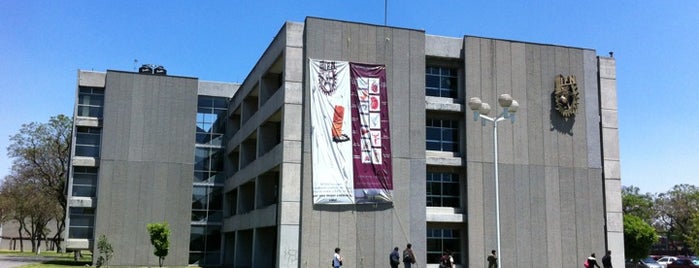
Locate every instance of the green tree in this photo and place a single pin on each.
(105, 251)
(25, 203)
(637, 204)
(639, 236)
(675, 208)
(40, 152)
(159, 237)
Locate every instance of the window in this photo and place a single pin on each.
(441, 82)
(82, 221)
(211, 118)
(208, 163)
(443, 189)
(440, 240)
(207, 204)
(208, 178)
(442, 135)
(90, 101)
(205, 245)
(84, 181)
(87, 142)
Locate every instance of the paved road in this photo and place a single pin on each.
(13, 261)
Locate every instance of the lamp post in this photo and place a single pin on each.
(480, 110)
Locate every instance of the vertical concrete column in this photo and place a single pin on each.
(610, 157)
(292, 135)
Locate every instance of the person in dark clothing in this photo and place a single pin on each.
(394, 258)
(408, 256)
(607, 259)
(492, 260)
(592, 262)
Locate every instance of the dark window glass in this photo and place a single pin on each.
(196, 238)
(199, 197)
(442, 135)
(441, 82)
(440, 240)
(443, 189)
(81, 223)
(87, 141)
(90, 101)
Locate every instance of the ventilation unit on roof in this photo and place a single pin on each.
(160, 70)
(152, 69)
(145, 69)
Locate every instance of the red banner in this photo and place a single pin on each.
(371, 148)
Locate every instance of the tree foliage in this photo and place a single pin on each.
(26, 203)
(639, 236)
(676, 208)
(637, 204)
(40, 153)
(159, 237)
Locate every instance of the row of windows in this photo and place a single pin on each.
(84, 181)
(440, 240)
(90, 101)
(442, 135)
(87, 141)
(82, 222)
(207, 189)
(441, 82)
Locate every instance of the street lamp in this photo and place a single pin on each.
(480, 110)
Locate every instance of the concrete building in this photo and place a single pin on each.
(559, 170)
(147, 148)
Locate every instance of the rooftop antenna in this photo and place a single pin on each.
(385, 12)
(135, 64)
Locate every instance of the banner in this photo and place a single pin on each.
(351, 148)
(373, 172)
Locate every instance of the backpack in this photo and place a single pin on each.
(444, 262)
(407, 257)
(586, 264)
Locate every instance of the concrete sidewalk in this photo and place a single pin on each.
(16, 261)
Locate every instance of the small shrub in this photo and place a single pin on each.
(105, 251)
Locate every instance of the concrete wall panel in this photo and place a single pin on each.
(534, 106)
(148, 155)
(519, 128)
(358, 230)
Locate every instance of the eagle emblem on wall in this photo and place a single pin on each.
(566, 95)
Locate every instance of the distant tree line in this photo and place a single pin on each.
(34, 192)
(673, 215)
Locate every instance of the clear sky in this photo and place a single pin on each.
(655, 43)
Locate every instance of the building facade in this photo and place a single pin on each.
(252, 192)
(136, 160)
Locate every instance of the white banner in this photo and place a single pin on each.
(331, 132)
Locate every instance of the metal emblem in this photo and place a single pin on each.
(566, 95)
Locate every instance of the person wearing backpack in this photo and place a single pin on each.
(394, 258)
(446, 261)
(337, 259)
(492, 260)
(408, 256)
(591, 262)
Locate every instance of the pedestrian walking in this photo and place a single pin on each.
(408, 256)
(394, 258)
(607, 260)
(337, 258)
(591, 262)
(492, 259)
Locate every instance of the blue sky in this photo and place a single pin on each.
(656, 44)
